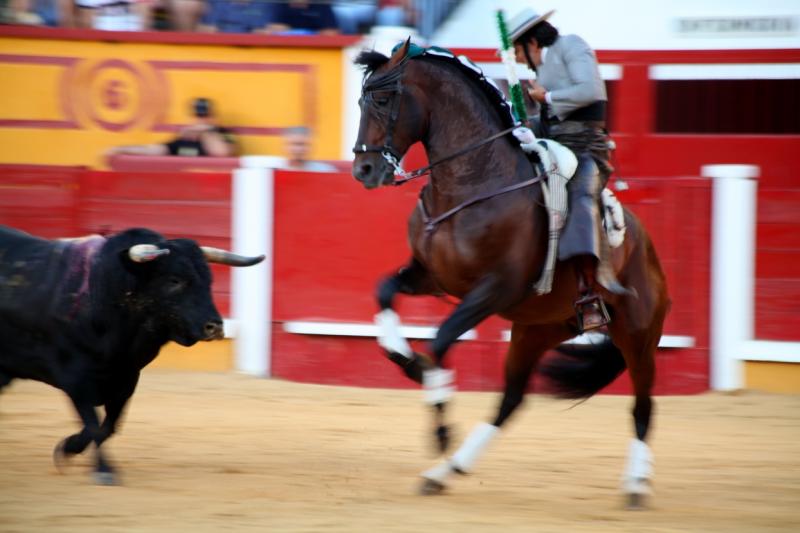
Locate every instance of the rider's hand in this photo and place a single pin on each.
(537, 92)
(524, 135)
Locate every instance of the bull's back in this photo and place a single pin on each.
(30, 269)
(28, 274)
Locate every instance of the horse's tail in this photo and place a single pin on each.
(580, 371)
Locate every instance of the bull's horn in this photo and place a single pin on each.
(217, 255)
(141, 253)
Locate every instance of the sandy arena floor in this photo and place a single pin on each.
(224, 453)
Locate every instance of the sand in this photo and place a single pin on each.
(223, 452)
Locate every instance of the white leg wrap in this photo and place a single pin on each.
(439, 473)
(639, 468)
(389, 337)
(438, 384)
(472, 448)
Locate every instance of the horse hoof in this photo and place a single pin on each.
(636, 502)
(106, 479)
(431, 487)
(60, 457)
(443, 439)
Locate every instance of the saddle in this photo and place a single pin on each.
(558, 164)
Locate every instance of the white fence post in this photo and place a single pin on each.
(732, 269)
(251, 287)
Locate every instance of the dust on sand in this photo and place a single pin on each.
(224, 452)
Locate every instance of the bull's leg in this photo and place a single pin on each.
(123, 390)
(83, 397)
(528, 343)
(412, 279)
(4, 380)
(68, 447)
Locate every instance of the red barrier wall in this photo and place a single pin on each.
(55, 202)
(334, 241)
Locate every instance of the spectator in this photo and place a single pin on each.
(394, 13)
(185, 15)
(115, 15)
(237, 16)
(36, 12)
(354, 16)
(300, 17)
(203, 138)
(297, 142)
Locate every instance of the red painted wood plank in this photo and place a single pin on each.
(777, 309)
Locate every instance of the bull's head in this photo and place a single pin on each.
(172, 287)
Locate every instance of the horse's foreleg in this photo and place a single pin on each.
(528, 343)
(489, 296)
(412, 279)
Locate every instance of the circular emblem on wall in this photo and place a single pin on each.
(113, 94)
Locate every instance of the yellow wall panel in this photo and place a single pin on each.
(773, 377)
(80, 98)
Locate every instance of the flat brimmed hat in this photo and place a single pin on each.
(525, 20)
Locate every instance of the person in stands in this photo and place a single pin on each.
(204, 137)
(297, 143)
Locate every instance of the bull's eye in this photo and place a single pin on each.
(174, 283)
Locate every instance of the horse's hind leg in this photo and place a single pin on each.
(412, 279)
(528, 343)
(639, 349)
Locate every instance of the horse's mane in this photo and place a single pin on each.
(372, 60)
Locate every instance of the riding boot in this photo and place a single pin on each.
(590, 309)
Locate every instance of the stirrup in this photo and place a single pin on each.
(598, 315)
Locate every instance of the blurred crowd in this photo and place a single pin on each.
(278, 17)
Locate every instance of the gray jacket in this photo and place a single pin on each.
(571, 74)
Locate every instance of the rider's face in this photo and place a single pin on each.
(534, 50)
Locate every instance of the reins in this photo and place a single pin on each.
(392, 82)
(408, 176)
(431, 223)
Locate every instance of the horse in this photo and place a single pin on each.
(479, 234)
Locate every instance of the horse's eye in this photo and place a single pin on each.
(382, 101)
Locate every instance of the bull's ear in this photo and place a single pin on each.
(142, 253)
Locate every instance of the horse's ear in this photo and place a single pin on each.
(401, 52)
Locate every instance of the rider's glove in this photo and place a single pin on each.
(524, 135)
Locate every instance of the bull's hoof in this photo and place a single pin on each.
(431, 487)
(106, 479)
(636, 502)
(60, 457)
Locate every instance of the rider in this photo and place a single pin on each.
(572, 111)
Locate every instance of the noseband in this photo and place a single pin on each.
(391, 82)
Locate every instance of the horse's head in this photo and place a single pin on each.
(392, 108)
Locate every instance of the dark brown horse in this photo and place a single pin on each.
(480, 234)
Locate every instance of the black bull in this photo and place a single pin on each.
(86, 315)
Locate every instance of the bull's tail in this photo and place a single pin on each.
(580, 371)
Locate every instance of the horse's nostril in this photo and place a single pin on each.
(364, 170)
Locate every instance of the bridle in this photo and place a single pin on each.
(391, 82)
